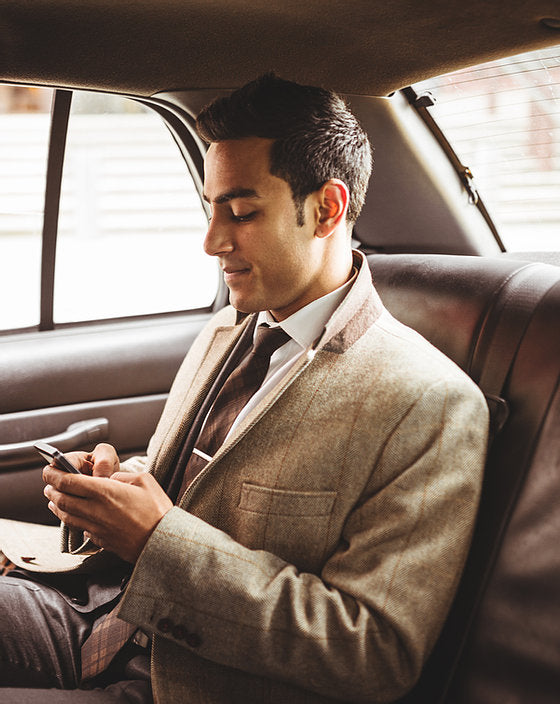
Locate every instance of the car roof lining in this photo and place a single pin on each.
(146, 47)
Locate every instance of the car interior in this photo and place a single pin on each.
(435, 256)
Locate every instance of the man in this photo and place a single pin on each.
(312, 552)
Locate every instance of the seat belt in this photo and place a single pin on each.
(501, 333)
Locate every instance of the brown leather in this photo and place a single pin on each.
(499, 319)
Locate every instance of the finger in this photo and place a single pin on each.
(73, 484)
(142, 481)
(130, 477)
(61, 480)
(67, 503)
(79, 513)
(105, 460)
(72, 521)
(80, 460)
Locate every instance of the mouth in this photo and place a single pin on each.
(234, 273)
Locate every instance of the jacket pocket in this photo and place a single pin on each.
(290, 524)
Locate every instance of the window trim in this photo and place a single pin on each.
(421, 103)
(180, 126)
(60, 115)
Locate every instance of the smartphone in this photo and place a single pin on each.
(55, 457)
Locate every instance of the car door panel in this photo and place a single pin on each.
(79, 386)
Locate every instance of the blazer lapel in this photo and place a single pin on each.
(184, 413)
(249, 421)
(263, 406)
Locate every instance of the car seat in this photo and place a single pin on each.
(498, 319)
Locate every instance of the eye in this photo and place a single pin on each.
(244, 218)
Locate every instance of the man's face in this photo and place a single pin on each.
(269, 262)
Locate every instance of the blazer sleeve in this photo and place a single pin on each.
(362, 628)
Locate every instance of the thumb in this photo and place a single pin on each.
(80, 460)
(105, 460)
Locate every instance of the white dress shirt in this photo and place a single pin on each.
(304, 327)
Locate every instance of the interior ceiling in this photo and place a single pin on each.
(355, 46)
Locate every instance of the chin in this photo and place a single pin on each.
(246, 306)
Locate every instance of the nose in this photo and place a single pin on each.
(217, 240)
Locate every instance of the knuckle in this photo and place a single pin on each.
(64, 483)
(76, 457)
(62, 503)
(66, 518)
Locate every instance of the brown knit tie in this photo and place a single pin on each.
(241, 384)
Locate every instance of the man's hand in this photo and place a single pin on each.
(118, 513)
(102, 462)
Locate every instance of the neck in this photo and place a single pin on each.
(338, 263)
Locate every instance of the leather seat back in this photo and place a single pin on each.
(498, 319)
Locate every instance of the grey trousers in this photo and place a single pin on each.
(40, 640)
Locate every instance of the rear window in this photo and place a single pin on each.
(503, 120)
(130, 222)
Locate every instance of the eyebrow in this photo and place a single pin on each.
(233, 194)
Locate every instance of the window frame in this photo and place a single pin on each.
(181, 127)
(421, 102)
(423, 95)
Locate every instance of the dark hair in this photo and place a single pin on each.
(316, 136)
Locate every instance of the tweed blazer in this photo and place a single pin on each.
(315, 558)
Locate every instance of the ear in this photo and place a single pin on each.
(333, 200)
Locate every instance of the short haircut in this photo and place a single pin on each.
(316, 137)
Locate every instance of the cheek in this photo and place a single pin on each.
(278, 250)
(283, 260)
(285, 280)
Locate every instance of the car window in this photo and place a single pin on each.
(24, 138)
(503, 120)
(130, 224)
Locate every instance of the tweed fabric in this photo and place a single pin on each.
(242, 383)
(107, 637)
(316, 562)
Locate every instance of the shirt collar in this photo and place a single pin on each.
(306, 324)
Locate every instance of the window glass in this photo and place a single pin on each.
(503, 120)
(24, 135)
(131, 223)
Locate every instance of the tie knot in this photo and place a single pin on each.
(268, 340)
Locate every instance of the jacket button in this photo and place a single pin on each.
(193, 639)
(164, 625)
(179, 632)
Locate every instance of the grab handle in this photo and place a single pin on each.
(84, 432)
